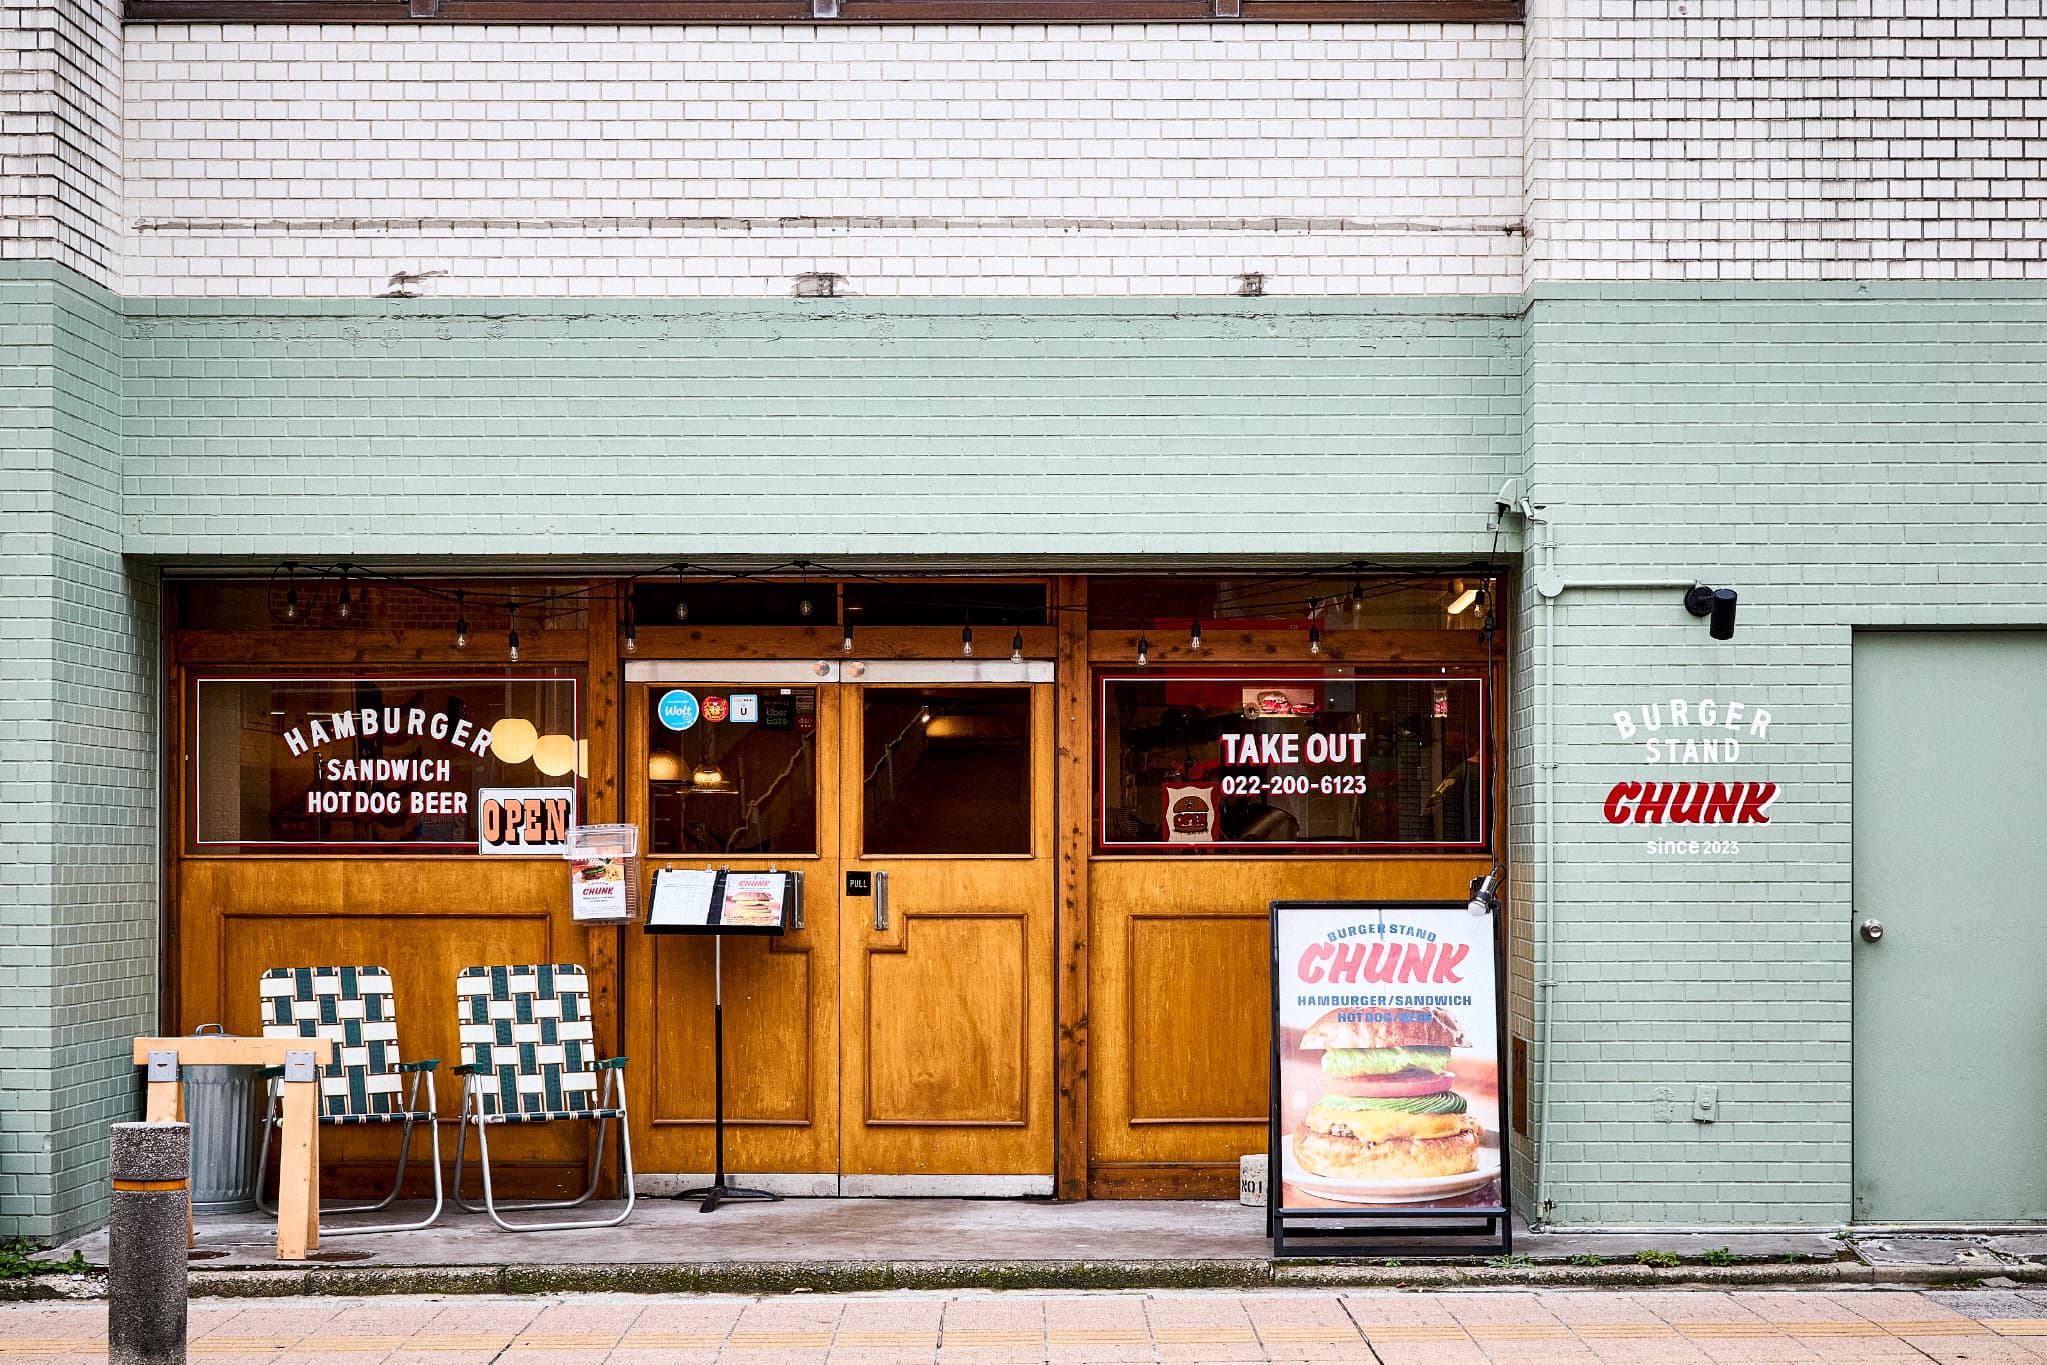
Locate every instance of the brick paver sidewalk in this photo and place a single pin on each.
(1980, 1327)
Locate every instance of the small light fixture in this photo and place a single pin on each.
(1483, 902)
(804, 606)
(846, 637)
(346, 602)
(461, 622)
(511, 635)
(924, 716)
(1016, 648)
(1314, 625)
(1143, 652)
(1194, 638)
(291, 591)
(1314, 639)
(1465, 597)
(967, 641)
(681, 609)
(1717, 603)
(707, 776)
(632, 641)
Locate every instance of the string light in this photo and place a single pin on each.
(1314, 626)
(846, 637)
(804, 606)
(1143, 651)
(967, 641)
(461, 623)
(291, 592)
(632, 643)
(1016, 648)
(511, 633)
(1194, 638)
(344, 608)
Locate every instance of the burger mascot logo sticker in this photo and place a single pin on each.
(1190, 813)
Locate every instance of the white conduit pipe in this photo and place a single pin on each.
(1551, 585)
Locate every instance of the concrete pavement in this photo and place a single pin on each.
(1678, 1327)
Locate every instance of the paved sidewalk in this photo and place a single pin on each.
(1568, 1328)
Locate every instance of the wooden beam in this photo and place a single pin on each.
(1289, 647)
(601, 806)
(1074, 802)
(486, 650)
(217, 1049)
(822, 642)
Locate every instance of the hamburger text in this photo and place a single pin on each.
(394, 721)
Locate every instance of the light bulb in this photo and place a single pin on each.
(806, 607)
(1016, 648)
(344, 602)
(513, 640)
(291, 604)
(632, 646)
(1194, 638)
(1143, 651)
(1314, 639)
(461, 623)
(681, 610)
(967, 641)
(846, 638)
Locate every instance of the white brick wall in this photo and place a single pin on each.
(60, 155)
(957, 159)
(1787, 139)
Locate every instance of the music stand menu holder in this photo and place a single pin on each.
(719, 903)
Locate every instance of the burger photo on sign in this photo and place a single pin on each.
(1389, 1126)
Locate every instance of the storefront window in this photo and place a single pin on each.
(948, 770)
(1332, 760)
(732, 770)
(402, 764)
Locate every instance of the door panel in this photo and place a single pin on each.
(781, 994)
(947, 1009)
(1950, 1023)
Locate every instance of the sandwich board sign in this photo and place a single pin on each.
(1387, 1093)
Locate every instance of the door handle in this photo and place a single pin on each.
(796, 900)
(881, 901)
(1872, 930)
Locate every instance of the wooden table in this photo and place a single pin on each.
(298, 1174)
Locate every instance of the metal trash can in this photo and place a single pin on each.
(220, 1105)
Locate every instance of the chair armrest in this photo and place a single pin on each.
(609, 1063)
(473, 1069)
(269, 1073)
(428, 1064)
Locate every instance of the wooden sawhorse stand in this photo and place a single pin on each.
(298, 1176)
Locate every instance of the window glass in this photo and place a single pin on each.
(731, 770)
(1269, 762)
(947, 770)
(392, 763)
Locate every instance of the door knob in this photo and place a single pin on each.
(1872, 930)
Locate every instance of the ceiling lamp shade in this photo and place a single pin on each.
(512, 739)
(555, 755)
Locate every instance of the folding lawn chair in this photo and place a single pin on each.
(356, 1008)
(527, 1057)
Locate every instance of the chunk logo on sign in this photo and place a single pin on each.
(678, 710)
(1689, 734)
(525, 820)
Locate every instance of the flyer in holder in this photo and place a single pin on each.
(753, 900)
(682, 899)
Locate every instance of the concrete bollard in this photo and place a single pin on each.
(147, 1243)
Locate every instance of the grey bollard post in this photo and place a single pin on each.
(147, 1243)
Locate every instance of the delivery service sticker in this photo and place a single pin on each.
(1389, 1058)
(678, 709)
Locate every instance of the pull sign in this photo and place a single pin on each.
(859, 883)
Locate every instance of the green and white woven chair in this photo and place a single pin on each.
(528, 1056)
(364, 1084)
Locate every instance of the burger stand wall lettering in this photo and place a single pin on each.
(1159, 950)
(1386, 1122)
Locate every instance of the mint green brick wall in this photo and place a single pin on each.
(1847, 456)
(812, 428)
(78, 726)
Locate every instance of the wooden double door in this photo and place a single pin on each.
(901, 1039)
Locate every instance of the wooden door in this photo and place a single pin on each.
(781, 994)
(946, 1020)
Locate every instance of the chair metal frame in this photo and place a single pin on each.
(422, 1072)
(609, 1095)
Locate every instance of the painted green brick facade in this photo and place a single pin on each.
(1842, 455)
(78, 741)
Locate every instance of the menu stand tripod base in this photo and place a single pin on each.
(719, 1191)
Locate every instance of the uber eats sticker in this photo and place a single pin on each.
(525, 820)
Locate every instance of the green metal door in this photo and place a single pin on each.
(1951, 1001)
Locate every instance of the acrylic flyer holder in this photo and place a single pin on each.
(719, 902)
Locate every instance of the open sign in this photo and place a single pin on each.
(525, 820)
